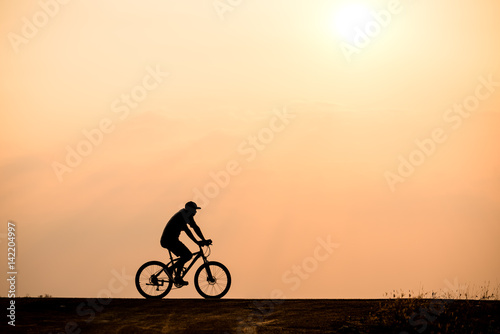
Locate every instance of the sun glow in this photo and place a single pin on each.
(349, 17)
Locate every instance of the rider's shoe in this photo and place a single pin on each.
(180, 281)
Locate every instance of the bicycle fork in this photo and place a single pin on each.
(210, 277)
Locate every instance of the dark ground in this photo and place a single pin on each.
(75, 315)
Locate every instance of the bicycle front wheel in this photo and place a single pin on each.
(151, 280)
(212, 280)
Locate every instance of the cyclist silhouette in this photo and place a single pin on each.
(170, 237)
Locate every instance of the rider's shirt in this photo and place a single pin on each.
(175, 225)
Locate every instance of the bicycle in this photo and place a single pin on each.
(212, 280)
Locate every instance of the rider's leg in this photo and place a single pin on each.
(184, 254)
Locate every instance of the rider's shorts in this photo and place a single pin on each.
(179, 249)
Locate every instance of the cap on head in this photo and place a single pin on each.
(191, 205)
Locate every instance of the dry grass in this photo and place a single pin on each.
(443, 311)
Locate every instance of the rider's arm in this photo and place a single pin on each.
(198, 231)
(190, 235)
(196, 228)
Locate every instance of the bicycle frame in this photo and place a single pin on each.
(191, 262)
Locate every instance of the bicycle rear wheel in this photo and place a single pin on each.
(151, 280)
(215, 286)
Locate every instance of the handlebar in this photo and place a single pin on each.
(206, 252)
(205, 243)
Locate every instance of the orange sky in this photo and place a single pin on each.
(390, 150)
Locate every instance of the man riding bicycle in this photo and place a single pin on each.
(170, 237)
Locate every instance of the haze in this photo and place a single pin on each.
(388, 148)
